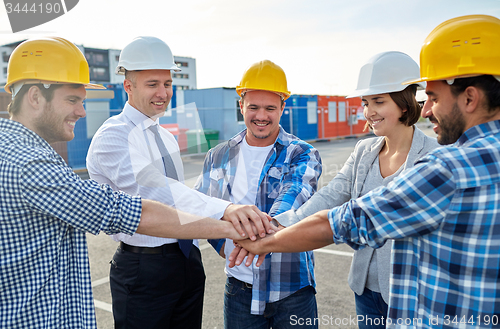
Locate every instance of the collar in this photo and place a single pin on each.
(478, 131)
(138, 118)
(19, 129)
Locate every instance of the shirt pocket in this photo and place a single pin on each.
(275, 178)
(217, 174)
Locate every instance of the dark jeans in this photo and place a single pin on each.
(298, 310)
(157, 291)
(373, 310)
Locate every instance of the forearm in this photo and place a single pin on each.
(160, 220)
(334, 194)
(311, 233)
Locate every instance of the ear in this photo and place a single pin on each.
(35, 98)
(241, 107)
(282, 109)
(472, 97)
(127, 85)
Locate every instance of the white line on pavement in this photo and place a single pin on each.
(103, 306)
(335, 252)
(100, 281)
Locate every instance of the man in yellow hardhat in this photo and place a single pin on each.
(46, 209)
(444, 213)
(276, 171)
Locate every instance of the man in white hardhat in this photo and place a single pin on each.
(155, 282)
(46, 209)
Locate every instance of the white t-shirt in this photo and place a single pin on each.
(251, 161)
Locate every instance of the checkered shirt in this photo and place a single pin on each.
(445, 216)
(45, 210)
(288, 179)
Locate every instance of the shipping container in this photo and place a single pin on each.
(300, 116)
(217, 109)
(340, 117)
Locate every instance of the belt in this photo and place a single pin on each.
(239, 283)
(166, 248)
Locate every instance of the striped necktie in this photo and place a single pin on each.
(170, 171)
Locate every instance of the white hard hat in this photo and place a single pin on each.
(385, 73)
(146, 53)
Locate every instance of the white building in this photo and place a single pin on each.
(103, 62)
(5, 52)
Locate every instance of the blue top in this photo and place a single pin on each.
(288, 179)
(444, 214)
(45, 211)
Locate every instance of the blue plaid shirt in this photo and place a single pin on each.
(288, 179)
(45, 211)
(445, 216)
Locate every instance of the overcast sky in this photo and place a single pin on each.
(321, 44)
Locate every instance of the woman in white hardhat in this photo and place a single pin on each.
(391, 111)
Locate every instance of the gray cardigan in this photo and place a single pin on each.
(347, 185)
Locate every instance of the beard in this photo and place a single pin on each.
(50, 126)
(452, 126)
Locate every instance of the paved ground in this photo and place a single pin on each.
(335, 299)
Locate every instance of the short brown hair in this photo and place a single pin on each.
(487, 83)
(130, 75)
(405, 100)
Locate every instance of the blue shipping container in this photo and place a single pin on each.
(300, 116)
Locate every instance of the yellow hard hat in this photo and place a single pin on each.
(461, 47)
(47, 60)
(264, 75)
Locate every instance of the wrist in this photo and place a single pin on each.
(229, 230)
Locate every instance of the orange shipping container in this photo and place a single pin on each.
(340, 117)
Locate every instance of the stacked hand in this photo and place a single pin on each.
(251, 224)
(249, 249)
(248, 221)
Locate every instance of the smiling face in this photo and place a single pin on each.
(261, 111)
(56, 122)
(149, 91)
(441, 108)
(382, 114)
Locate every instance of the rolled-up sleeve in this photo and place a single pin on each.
(415, 203)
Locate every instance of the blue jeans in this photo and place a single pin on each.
(373, 310)
(298, 310)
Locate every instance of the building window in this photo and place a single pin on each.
(181, 75)
(342, 114)
(117, 58)
(99, 74)
(332, 112)
(181, 87)
(5, 57)
(5, 72)
(312, 112)
(239, 116)
(97, 57)
(182, 64)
